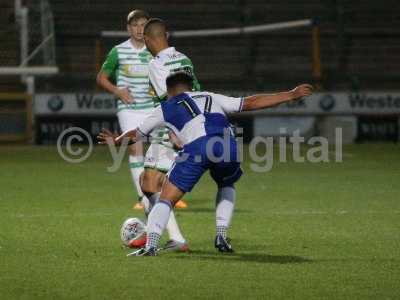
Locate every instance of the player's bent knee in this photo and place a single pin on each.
(151, 181)
(147, 187)
(171, 192)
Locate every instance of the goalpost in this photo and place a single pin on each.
(34, 31)
(31, 55)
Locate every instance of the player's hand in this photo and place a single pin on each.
(124, 95)
(302, 90)
(176, 142)
(107, 137)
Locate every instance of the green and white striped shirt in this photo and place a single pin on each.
(166, 62)
(129, 67)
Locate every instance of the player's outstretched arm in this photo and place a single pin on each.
(107, 137)
(155, 119)
(261, 101)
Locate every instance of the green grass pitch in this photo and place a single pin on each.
(301, 231)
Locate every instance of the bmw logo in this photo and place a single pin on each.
(327, 102)
(55, 103)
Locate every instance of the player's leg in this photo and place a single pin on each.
(160, 214)
(136, 165)
(225, 177)
(225, 204)
(151, 181)
(152, 178)
(129, 119)
(225, 174)
(165, 159)
(181, 179)
(157, 162)
(164, 162)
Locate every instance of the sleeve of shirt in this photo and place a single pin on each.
(156, 119)
(110, 65)
(157, 76)
(228, 104)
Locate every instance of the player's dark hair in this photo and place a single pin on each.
(179, 78)
(137, 14)
(154, 22)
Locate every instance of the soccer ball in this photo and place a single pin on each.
(132, 229)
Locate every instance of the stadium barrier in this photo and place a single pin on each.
(362, 116)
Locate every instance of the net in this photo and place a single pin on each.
(29, 46)
(258, 57)
(28, 34)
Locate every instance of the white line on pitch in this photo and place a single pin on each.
(293, 212)
(338, 212)
(84, 214)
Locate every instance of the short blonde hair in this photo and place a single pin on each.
(137, 14)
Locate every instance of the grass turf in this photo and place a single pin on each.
(304, 231)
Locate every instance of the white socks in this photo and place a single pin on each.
(157, 221)
(172, 226)
(147, 205)
(225, 203)
(162, 216)
(136, 164)
(173, 229)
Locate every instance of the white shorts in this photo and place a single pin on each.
(159, 157)
(130, 119)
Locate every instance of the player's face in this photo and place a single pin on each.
(149, 45)
(135, 28)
